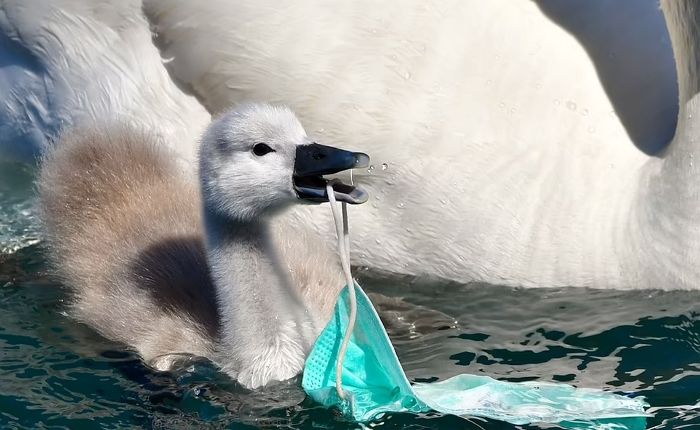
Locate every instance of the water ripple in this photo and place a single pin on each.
(58, 373)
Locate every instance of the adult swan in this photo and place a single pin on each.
(506, 159)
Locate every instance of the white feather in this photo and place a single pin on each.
(506, 160)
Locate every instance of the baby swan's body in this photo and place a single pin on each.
(166, 266)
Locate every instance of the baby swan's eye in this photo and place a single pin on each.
(261, 149)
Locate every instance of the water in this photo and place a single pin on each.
(57, 373)
(18, 221)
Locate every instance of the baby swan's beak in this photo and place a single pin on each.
(313, 161)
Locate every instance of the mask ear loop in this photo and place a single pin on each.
(342, 231)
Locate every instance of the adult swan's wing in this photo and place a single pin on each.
(506, 141)
(67, 62)
(512, 145)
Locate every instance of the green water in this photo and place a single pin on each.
(57, 373)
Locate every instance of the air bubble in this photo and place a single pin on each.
(370, 169)
(571, 105)
(384, 166)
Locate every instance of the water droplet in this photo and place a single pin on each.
(690, 116)
(443, 202)
(591, 129)
(407, 75)
(488, 82)
(408, 402)
(401, 205)
(370, 168)
(585, 112)
(384, 166)
(556, 102)
(502, 104)
(379, 242)
(571, 105)
(512, 110)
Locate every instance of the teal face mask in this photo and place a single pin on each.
(374, 383)
(372, 380)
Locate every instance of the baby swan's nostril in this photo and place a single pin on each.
(318, 154)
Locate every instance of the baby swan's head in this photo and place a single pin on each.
(257, 159)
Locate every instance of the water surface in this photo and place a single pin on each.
(57, 373)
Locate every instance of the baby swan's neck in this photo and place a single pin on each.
(266, 330)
